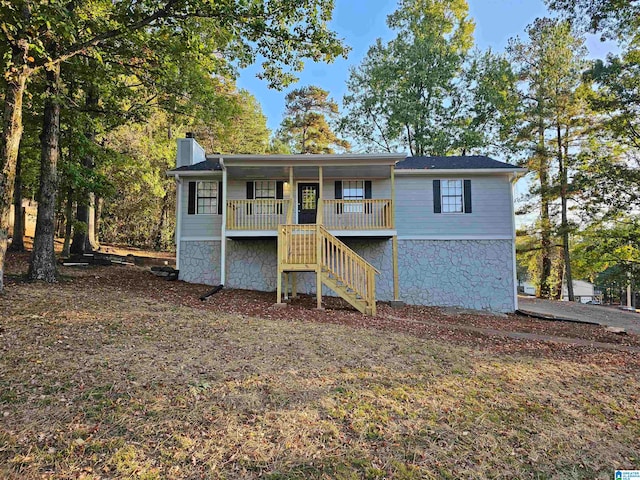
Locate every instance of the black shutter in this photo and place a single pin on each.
(338, 195)
(437, 207)
(467, 196)
(219, 198)
(249, 197)
(191, 210)
(367, 195)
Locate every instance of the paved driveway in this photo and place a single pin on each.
(600, 314)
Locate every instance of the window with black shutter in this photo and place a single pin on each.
(452, 196)
(203, 198)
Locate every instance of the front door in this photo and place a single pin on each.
(307, 202)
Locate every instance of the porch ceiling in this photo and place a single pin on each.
(308, 172)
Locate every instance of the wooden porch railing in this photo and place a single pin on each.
(298, 245)
(369, 214)
(259, 214)
(313, 248)
(347, 267)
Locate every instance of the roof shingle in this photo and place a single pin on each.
(451, 163)
(207, 165)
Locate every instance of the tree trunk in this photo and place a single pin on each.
(43, 258)
(161, 222)
(17, 239)
(564, 222)
(9, 147)
(545, 222)
(91, 233)
(80, 243)
(96, 221)
(82, 237)
(68, 224)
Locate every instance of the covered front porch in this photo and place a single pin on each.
(350, 195)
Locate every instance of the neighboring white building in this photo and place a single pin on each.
(583, 292)
(528, 287)
(423, 230)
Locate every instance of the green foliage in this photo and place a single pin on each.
(140, 154)
(424, 90)
(608, 254)
(305, 128)
(282, 32)
(614, 18)
(242, 129)
(548, 129)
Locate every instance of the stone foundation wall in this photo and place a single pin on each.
(252, 264)
(200, 262)
(474, 274)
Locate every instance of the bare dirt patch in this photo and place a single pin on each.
(114, 373)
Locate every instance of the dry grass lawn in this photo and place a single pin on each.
(98, 381)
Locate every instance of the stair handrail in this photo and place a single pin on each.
(335, 239)
(363, 285)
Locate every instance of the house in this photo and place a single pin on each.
(527, 287)
(421, 230)
(583, 292)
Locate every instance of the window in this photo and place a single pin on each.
(265, 190)
(353, 190)
(207, 198)
(452, 196)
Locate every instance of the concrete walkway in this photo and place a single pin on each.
(579, 342)
(598, 314)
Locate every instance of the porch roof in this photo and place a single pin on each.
(304, 166)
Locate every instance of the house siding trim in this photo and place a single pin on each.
(214, 238)
(455, 237)
(178, 231)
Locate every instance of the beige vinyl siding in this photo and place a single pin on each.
(199, 226)
(491, 208)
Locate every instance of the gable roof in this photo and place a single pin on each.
(207, 165)
(415, 164)
(472, 162)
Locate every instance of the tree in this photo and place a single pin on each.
(305, 128)
(138, 156)
(241, 129)
(42, 35)
(425, 90)
(549, 66)
(615, 18)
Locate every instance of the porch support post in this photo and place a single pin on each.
(318, 266)
(294, 285)
(291, 198)
(393, 196)
(320, 213)
(279, 274)
(223, 236)
(396, 286)
(286, 285)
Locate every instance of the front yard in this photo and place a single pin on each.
(114, 373)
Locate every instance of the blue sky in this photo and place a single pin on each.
(360, 22)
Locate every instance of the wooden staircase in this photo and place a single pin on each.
(313, 248)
